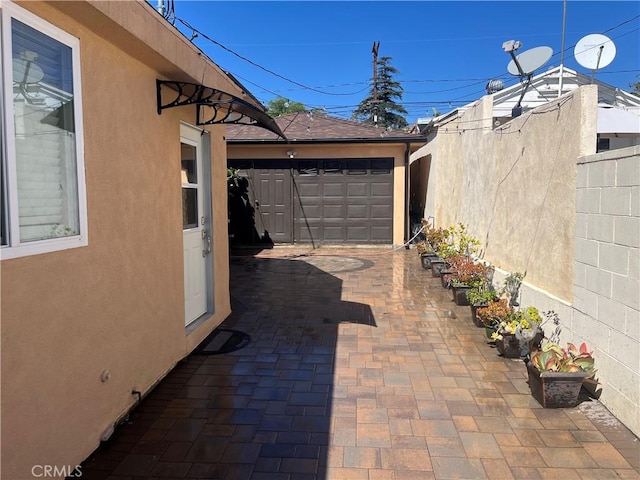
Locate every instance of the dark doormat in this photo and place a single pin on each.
(223, 340)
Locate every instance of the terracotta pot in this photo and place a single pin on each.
(555, 389)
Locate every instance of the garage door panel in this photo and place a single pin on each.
(333, 212)
(333, 190)
(312, 212)
(381, 212)
(357, 233)
(306, 233)
(357, 190)
(333, 233)
(381, 189)
(308, 190)
(381, 233)
(357, 212)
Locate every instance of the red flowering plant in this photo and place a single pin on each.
(466, 272)
(495, 312)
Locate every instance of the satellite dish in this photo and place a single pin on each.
(594, 51)
(530, 61)
(26, 71)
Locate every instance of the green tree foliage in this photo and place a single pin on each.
(388, 92)
(282, 106)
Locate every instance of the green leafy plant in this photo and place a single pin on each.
(423, 248)
(458, 242)
(554, 358)
(435, 237)
(482, 295)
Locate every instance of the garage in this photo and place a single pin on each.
(317, 201)
(331, 181)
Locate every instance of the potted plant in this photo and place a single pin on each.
(519, 333)
(556, 374)
(479, 297)
(493, 314)
(426, 254)
(466, 274)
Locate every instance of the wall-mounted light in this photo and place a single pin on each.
(292, 153)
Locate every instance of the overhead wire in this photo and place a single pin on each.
(337, 109)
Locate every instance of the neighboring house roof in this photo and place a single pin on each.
(614, 120)
(314, 126)
(544, 88)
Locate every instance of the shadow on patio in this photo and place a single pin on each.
(262, 411)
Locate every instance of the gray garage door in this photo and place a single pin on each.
(337, 201)
(343, 201)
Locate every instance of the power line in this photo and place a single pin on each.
(306, 87)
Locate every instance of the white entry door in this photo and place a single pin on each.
(195, 224)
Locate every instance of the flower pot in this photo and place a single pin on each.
(555, 389)
(437, 265)
(508, 346)
(460, 294)
(474, 314)
(489, 331)
(445, 277)
(426, 259)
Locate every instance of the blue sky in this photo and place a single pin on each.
(319, 52)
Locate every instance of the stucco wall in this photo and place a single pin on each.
(514, 185)
(356, 150)
(116, 305)
(607, 275)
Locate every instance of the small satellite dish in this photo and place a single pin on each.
(494, 86)
(594, 51)
(530, 61)
(26, 71)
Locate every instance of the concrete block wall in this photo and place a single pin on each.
(606, 307)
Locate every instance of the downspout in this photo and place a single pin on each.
(407, 198)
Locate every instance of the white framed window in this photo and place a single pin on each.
(43, 197)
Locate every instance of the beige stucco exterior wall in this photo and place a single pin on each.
(355, 150)
(514, 186)
(116, 305)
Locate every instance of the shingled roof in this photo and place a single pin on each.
(313, 126)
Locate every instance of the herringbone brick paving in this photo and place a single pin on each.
(360, 366)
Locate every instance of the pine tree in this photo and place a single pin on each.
(387, 92)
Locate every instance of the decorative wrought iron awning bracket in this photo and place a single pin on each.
(221, 106)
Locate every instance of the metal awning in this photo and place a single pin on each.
(212, 105)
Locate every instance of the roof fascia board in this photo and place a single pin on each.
(390, 141)
(138, 29)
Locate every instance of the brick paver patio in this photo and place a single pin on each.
(360, 366)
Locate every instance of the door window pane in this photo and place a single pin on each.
(189, 163)
(189, 208)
